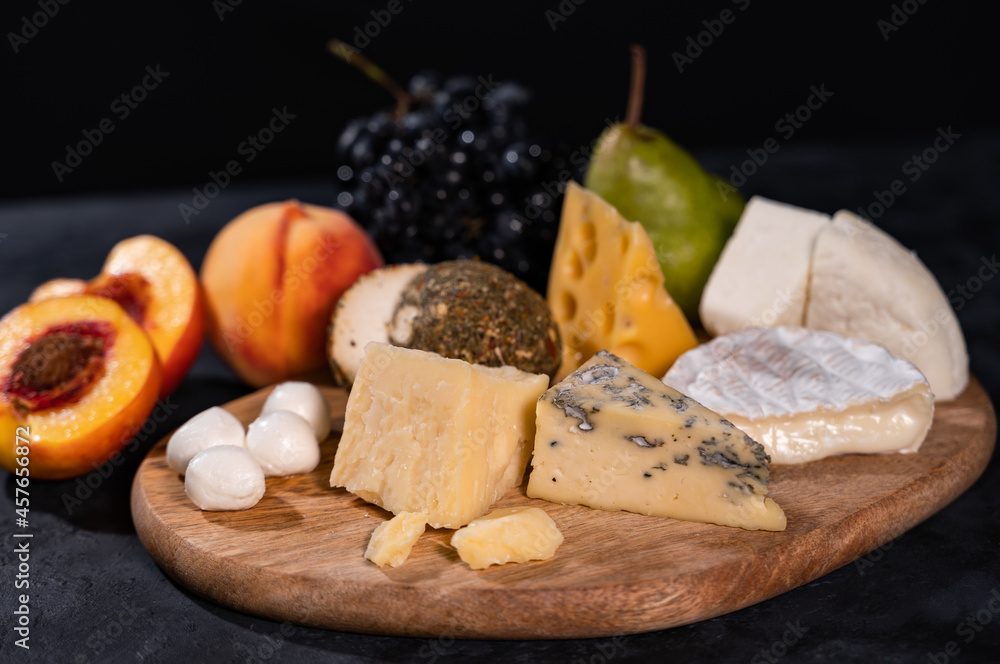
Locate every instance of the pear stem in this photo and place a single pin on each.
(633, 112)
(374, 72)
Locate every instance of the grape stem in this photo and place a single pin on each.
(634, 109)
(374, 72)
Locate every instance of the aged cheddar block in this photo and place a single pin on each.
(392, 541)
(512, 535)
(423, 433)
(613, 437)
(606, 289)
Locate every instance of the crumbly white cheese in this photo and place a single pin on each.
(214, 426)
(303, 399)
(283, 443)
(762, 275)
(807, 394)
(224, 477)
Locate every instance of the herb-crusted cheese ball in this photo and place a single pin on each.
(479, 313)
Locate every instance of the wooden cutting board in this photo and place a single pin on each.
(298, 555)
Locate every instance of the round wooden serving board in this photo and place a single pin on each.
(298, 555)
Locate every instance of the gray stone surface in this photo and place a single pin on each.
(96, 596)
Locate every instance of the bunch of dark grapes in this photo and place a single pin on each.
(455, 176)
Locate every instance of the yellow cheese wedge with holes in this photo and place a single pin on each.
(606, 290)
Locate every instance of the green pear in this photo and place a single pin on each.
(688, 212)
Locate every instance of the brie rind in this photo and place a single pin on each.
(807, 394)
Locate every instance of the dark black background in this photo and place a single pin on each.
(227, 73)
(890, 97)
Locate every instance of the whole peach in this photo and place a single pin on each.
(272, 277)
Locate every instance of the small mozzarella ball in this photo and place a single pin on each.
(214, 426)
(224, 477)
(283, 444)
(303, 399)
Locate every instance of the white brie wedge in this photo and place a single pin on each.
(806, 394)
(865, 284)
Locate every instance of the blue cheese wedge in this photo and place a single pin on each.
(613, 437)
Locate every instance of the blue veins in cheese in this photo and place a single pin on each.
(613, 437)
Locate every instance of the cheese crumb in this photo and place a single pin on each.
(511, 535)
(392, 541)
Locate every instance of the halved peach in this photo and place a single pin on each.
(78, 377)
(58, 288)
(153, 281)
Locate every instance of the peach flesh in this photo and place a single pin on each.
(154, 283)
(130, 291)
(59, 366)
(74, 422)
